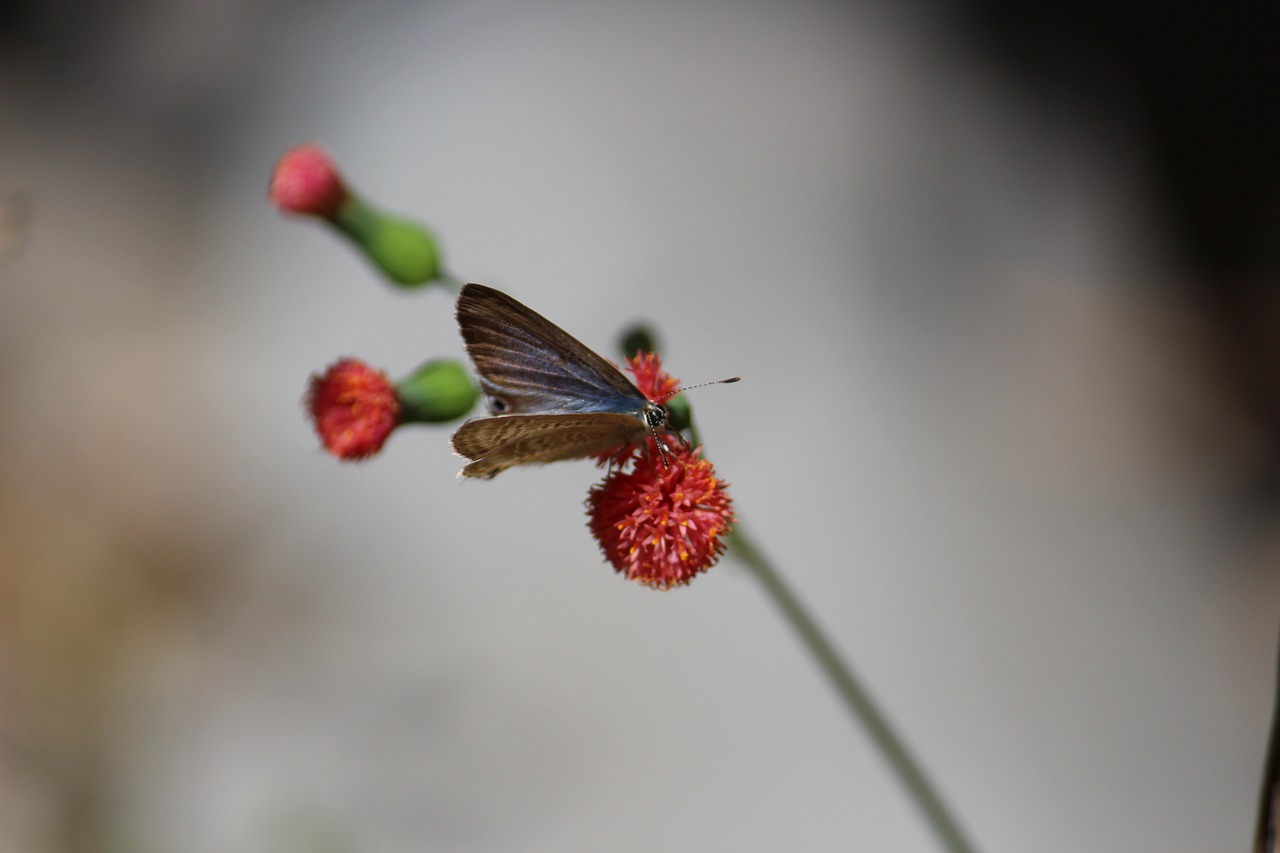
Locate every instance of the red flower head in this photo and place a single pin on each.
(661, 525)
(653, 382)
(306, 181)
(354, 408)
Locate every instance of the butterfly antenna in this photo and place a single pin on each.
(728, 381)
(663, 450)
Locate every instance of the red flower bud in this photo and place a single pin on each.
(306, 181)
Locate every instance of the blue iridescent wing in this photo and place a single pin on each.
(530, 366)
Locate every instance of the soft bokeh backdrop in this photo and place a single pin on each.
(987, 428)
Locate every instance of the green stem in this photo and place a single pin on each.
(855, 697)
(450, 281)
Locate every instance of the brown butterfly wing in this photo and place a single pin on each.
(529, 365)
(496, 444)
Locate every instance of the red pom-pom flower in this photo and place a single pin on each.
(354, 408)
(661, 525)
(660, 518)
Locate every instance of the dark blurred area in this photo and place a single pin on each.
(1197, 85)
(172, 80)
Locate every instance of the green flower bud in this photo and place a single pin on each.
(404, 251)
(679, 412)
(638, 338)
(437, 392)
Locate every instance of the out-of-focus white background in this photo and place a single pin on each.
(995, 426)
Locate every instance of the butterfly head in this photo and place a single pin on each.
(654, 415)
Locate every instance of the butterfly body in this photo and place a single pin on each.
(552, 398)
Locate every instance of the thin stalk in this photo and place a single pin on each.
(1269, 798)
(855, 697)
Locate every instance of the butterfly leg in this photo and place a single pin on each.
(620, 456)
(663, 450)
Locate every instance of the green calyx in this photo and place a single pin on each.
(405, 252)
(437, 392)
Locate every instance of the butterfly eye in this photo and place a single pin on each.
(655, 416)
(497, 405)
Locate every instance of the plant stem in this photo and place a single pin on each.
(1269, 798)
(855, 697)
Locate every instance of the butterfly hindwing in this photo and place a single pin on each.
(495, 444)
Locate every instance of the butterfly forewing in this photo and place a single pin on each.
(529, 365)
(495, 444)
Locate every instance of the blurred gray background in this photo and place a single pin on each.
(1000, 283)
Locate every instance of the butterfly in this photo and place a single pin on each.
(552, 398)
